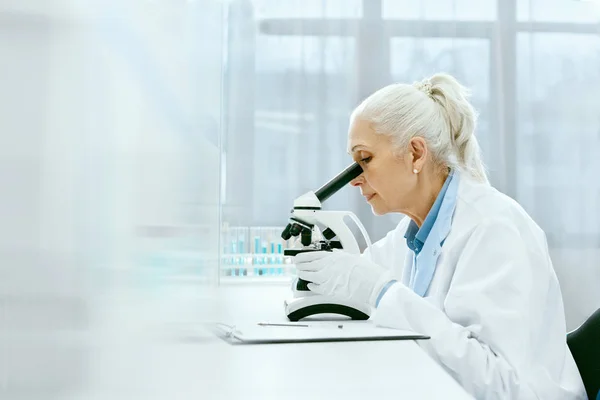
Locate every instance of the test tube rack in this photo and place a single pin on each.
(254, 252)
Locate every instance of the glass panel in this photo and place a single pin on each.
(453, 10)
(109, 159)
(307, 8)
(466, 59)
(558, 11)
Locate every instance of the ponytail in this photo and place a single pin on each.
(461, 119)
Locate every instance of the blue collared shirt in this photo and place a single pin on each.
(415, 236)
(426, 242)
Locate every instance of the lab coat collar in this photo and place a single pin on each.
(443, 223)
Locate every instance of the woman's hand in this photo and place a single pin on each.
(342, 274)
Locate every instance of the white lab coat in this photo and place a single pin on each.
(494, 309)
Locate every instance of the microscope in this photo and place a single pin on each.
(321, 230)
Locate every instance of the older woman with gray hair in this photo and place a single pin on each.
(467, 266)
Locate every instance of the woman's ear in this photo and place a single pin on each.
(418, 149)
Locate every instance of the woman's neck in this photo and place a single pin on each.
(429, 188)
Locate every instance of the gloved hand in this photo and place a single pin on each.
(342, 274)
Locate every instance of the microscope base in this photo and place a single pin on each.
(303, 307)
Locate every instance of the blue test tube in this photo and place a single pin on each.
(225, 259)
(234, 257)
(272, 259)
(255, 255)
(264, 258)
(279, 259)
(241, 251)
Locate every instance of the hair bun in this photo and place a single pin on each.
(424, 86)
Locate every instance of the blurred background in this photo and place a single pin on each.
(151, 150)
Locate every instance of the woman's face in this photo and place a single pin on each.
(388, 182)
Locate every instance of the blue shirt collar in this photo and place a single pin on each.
(415, 236)
(425, 255)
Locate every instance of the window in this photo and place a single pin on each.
(559, 126)
(449, 10)
(307, 8)
(558, 11)
(466, 59)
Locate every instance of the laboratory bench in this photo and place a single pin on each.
(341, 370)
(150, 345)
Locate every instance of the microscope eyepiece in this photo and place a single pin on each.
(338, 182)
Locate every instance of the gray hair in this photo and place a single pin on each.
(438, 110)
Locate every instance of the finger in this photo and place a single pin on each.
(310, 266)
(310, 256)
(315, 277)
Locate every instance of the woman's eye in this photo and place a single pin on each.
(366, 159)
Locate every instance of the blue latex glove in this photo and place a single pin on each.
(342, 274)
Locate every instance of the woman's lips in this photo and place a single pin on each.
(368, 197)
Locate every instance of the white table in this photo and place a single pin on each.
(147, 346)
(345, 370)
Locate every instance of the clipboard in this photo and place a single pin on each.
(264, 333)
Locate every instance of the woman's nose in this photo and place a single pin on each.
(357, 181)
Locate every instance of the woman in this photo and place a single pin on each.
(468, 267)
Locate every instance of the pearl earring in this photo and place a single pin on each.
(415, 171)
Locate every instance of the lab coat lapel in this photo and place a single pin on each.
(408, 267)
